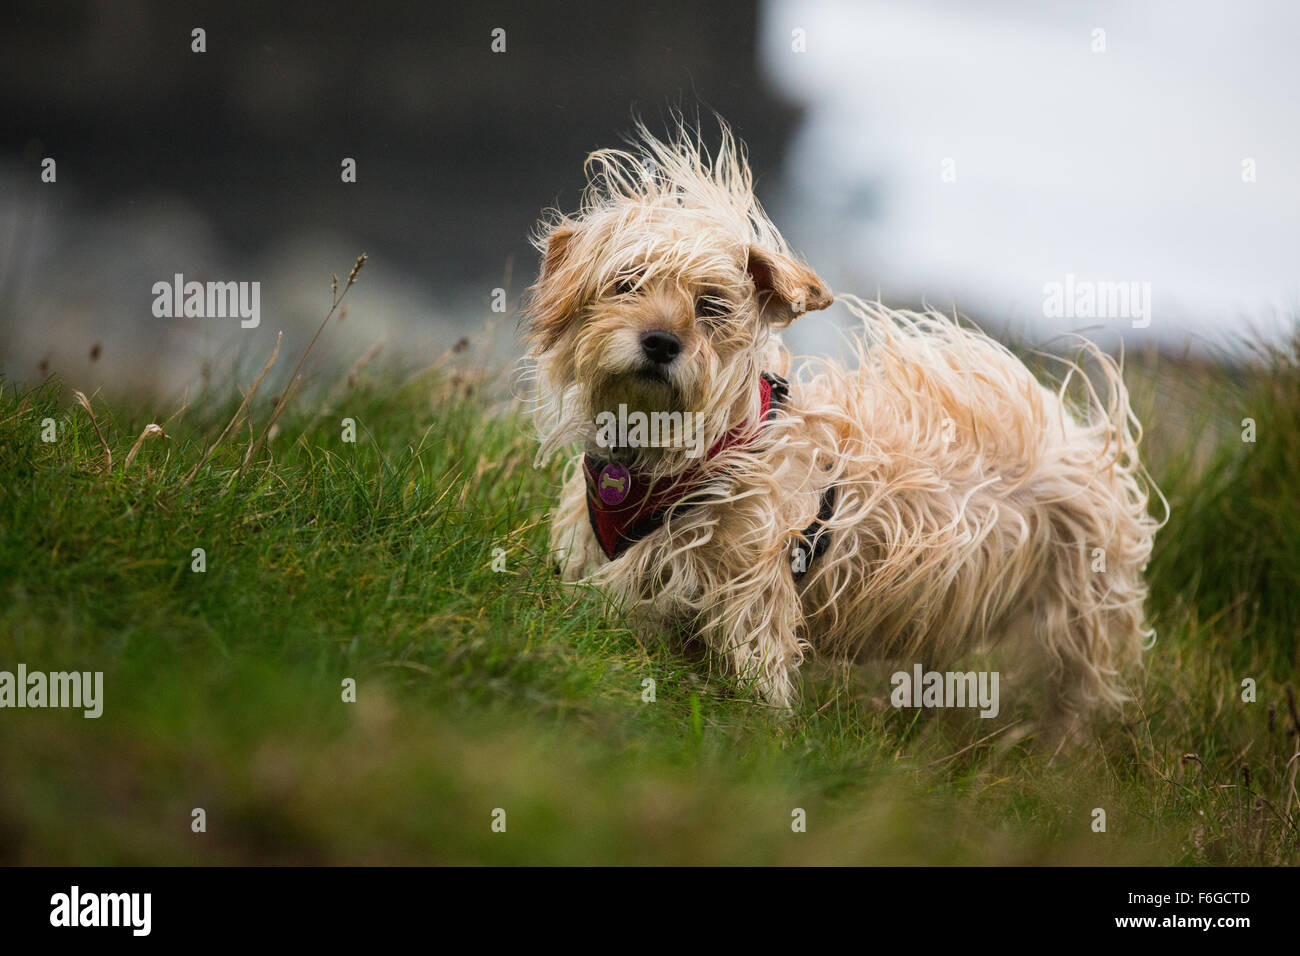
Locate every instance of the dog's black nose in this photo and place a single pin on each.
(660, 347)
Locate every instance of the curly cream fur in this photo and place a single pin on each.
(972, 503)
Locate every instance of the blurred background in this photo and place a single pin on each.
(950, 153)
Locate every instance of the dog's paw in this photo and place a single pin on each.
(575, 562)
(571, 570)
(777, 689)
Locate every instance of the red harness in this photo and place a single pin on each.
(625, 505)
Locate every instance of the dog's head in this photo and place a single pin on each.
(660, 293)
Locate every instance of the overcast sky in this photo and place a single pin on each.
(1122, 165)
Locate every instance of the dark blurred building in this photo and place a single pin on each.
(458, 148)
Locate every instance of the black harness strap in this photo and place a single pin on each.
(814, 539)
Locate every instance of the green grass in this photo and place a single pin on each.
(479, 689)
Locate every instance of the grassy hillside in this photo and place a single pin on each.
(479, 689)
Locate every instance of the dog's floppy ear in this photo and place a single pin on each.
(786, 288)
(557, 246)
(557, 295)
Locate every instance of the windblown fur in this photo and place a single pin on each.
(973, 506)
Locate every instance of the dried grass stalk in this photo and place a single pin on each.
(85, 403)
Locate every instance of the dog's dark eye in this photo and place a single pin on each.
(710, 305)
(626, 285)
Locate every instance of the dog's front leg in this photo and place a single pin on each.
(574, 546)
(755, 626)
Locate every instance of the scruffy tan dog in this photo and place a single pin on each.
(934, 500)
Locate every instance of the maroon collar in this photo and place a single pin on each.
(624, 504)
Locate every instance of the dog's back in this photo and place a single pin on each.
(973, 506)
